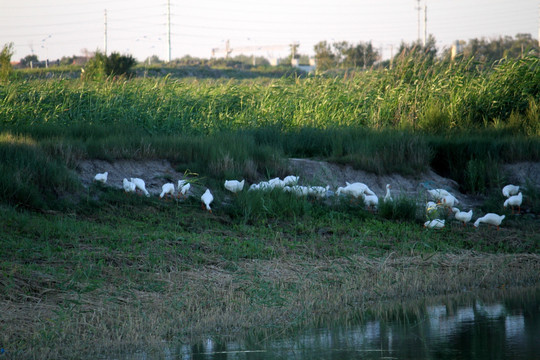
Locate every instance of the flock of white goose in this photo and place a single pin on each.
(445, 199)
(442, 198)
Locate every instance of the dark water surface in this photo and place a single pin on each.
(500, 327)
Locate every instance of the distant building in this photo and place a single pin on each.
(307, 68)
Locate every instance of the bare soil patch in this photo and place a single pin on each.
(523, 172)
(312, 172)
(157, 172)
(325, 173)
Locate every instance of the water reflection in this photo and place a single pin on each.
(470, 329)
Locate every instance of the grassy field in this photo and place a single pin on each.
(106, 272)
(121, 273)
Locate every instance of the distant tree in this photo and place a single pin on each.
(360, 55)
(68, 60)
(518, 47)
(153, 60)
(29, 59)
(292, 55)
(523, 45)
(294, 50)
(102, 66)
(417, 51)
(340, 50)
(117, 64)
(343, 54)
(240, 61)
(324, 56)
(488, 51)
(303, 59)
(5, 61)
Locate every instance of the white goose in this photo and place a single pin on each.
(388, 196)
(449, 201)
(276, 183)
(318, 191)
(510, 190)
(434, 224)
(183, 187)
(438, 194)
(101, 177)
(181, 183)
(207, 199)
(490, 218)
(129, 186)
(356, 189)
(139, 184)
(514, 200)
(372, 201)
(297, 190)
(263, 186)
(234, 186)
(367, 190)
(462, 216)
(167, 189)
(290, 180)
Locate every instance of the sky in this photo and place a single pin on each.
(51, 29)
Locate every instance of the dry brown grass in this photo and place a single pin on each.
(234, 299)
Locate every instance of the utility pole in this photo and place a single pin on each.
(169, 27)
(418, 8)
(227, 49)
(538, 25)
(391, 55)
(425, 25)
(105, 34)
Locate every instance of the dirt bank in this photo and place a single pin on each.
(311, 172)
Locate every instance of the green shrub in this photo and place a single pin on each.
(402, 208)
(29, 178)
(5, 62)
(260, 206)
(102, 66)
(433, 119)
(481, 175)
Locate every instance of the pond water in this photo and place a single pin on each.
(471, 328)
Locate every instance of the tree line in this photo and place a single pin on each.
(336, 55)
(345, 55)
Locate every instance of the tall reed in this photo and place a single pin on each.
(412, 95)
(376, 120)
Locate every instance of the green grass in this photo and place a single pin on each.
(29, 177)
(128, 267)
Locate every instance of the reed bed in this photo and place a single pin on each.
(376, 120)
(412, 95)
